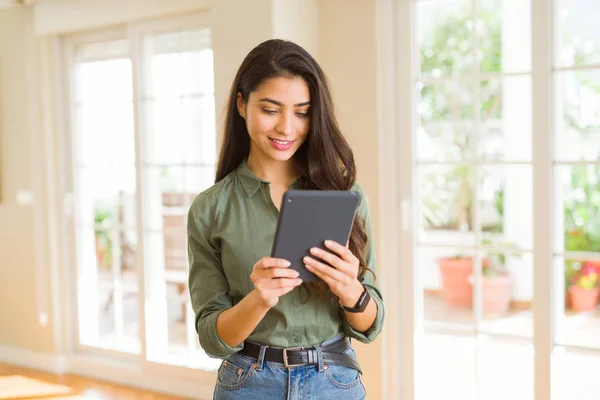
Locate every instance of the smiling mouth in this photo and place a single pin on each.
(282, 142)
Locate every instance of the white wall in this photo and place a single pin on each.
(23, 244)
(348, 56)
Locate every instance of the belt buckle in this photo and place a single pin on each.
(285, 357)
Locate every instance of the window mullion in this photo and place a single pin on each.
(138, 80)
(541, 14)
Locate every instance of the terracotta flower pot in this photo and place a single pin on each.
(583, 299)
(455, 273)
(496, 292)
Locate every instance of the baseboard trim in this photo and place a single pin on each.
(32, 359)
(191, 384)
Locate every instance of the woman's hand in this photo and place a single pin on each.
(272, 278)
(343, 277)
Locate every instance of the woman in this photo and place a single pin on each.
(280, 338)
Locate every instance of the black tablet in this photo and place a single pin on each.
(307, 219)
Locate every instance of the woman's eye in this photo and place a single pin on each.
(270, 112)
(302, 115)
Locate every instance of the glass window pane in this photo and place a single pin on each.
(103, 114)
(445, 37)
(505, 195)
(577, 32)
(445, 274)
(179, 100)
(169, 192)
(579, 317)
(578, 115)
(503, 36)
(507, 292)
(505, 369)
(574, 375)
(505, 127)
(446, 122)
(181, 130)
(446, 198)
(445, 365)
(106, 314)
(180, 154)
(111, 319)
(577, 190)
(195, 73)
(106, 197)
(177, 296)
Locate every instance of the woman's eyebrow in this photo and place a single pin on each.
(277, 103)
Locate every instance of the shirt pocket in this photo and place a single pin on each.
(235, 372)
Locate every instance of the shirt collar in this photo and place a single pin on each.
(250, 182)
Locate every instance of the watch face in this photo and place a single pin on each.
(364, 300)
(362, 303)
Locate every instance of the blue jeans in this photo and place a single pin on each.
(243, 377)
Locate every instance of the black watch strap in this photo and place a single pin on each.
(362, 303)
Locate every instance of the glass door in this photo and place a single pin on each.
(473, 255)
(143, 145)
(576, 202)
(479, 189)
(177, 109)
(104, 183)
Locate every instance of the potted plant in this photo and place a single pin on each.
(455, 273)
(583, 292)
(496, 281)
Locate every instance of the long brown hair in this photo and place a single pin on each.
(325, 160)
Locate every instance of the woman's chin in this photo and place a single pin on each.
(279, 155)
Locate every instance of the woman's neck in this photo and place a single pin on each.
(277, 172)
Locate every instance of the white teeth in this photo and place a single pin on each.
(280, 142)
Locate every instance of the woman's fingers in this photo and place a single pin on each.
(325, 270)
(282, 283)
(326, 273)
(330, 258)
(270, 262)
(273, 278)
(343, 251)
(274, 273)
(270, 285)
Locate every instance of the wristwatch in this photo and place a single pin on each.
(362, 303)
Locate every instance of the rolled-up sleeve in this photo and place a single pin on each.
(369, 280)
(208, 285)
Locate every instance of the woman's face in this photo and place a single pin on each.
(277, 118)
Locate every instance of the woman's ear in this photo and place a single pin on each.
(241, 105)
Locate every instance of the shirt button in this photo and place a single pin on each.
(296, 303)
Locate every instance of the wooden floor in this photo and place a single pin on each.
(21, 383)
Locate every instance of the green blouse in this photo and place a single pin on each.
(231, 226)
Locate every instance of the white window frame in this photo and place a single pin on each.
(129, 369)
(396, 33)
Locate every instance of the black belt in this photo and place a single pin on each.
(333, 354)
